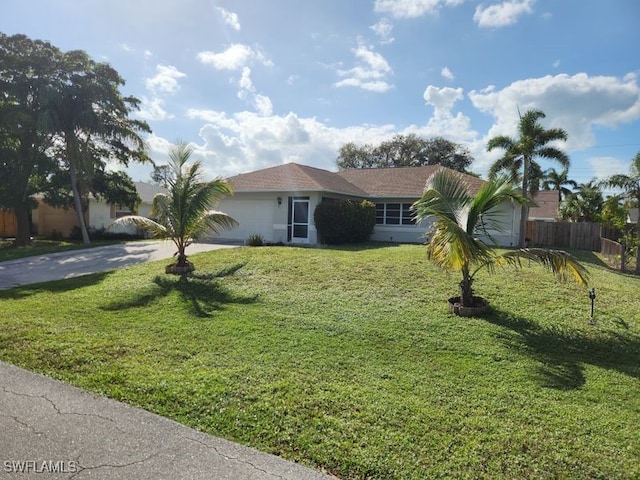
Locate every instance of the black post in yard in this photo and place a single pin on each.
(592, 296)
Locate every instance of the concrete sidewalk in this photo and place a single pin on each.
(61, 265)
(51, 430)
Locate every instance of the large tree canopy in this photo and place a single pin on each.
(405, 151)
(27, 69)
(59, 113)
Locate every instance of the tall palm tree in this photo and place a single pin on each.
(458, 218)
(630, 186)
(186, 211)
(90, 118)
(520, 154)
(558, 181)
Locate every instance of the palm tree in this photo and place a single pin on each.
(185, 212)
(630, 186)
(458, 218)
(552, 180)
(584, 205)
(90, 118)
(520, 154)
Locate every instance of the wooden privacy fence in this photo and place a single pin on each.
(613, 252)
(578, 235)
(8, 223)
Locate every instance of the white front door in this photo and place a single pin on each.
(300, 220)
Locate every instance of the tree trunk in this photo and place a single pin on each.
(466, 290)
(524, 212)
(77, 202)
(23, 235)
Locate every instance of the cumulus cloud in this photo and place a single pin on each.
(229, 18)
(576, 103)
(502, 14)
(165, 79)
(153, 109)
(247, 141)
(370, 72)
(248, 93)
(235, 57)
(443, 122)
(383, 30)
(412, 8)
(446, 73)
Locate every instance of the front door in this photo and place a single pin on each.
(300, 220)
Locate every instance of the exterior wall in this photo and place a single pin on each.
(509, 216)
(261, 213)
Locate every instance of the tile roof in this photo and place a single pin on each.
(406, 182)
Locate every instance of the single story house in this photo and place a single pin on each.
(47, 219)
(545, 206)
(278, 203)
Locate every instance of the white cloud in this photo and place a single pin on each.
(229, 18)
(370, 73)
(165, 80)
(235, 57)
(383, 30)
(247, 92)
(412, 8)
(502, 14)
(606, 166)
(576, 103)
(153, 109)
(247, 141)
(446, 73)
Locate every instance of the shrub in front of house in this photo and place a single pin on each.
(344, 221)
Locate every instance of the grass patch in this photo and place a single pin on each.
(348, 360)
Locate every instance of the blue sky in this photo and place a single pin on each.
(256, 83)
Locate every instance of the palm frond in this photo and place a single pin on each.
(151, 226)
(560, 263)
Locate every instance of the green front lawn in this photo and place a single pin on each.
(348, 360)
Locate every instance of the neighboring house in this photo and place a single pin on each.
(278, 202)
(632, 215)
(545, 207)
(47, 219)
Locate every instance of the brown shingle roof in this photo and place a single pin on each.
(546, 205)
(405, 182)
(293, 177)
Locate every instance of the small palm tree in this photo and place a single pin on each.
(458, 218)
(185, 212)
(558, 181)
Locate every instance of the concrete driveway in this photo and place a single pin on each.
(61, 265)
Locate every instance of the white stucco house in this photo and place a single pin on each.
(278, 203)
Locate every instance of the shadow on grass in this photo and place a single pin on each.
(56, 286)
(360, 247)
(561, 353)
(202, 291)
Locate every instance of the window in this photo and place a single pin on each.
(394, 214)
